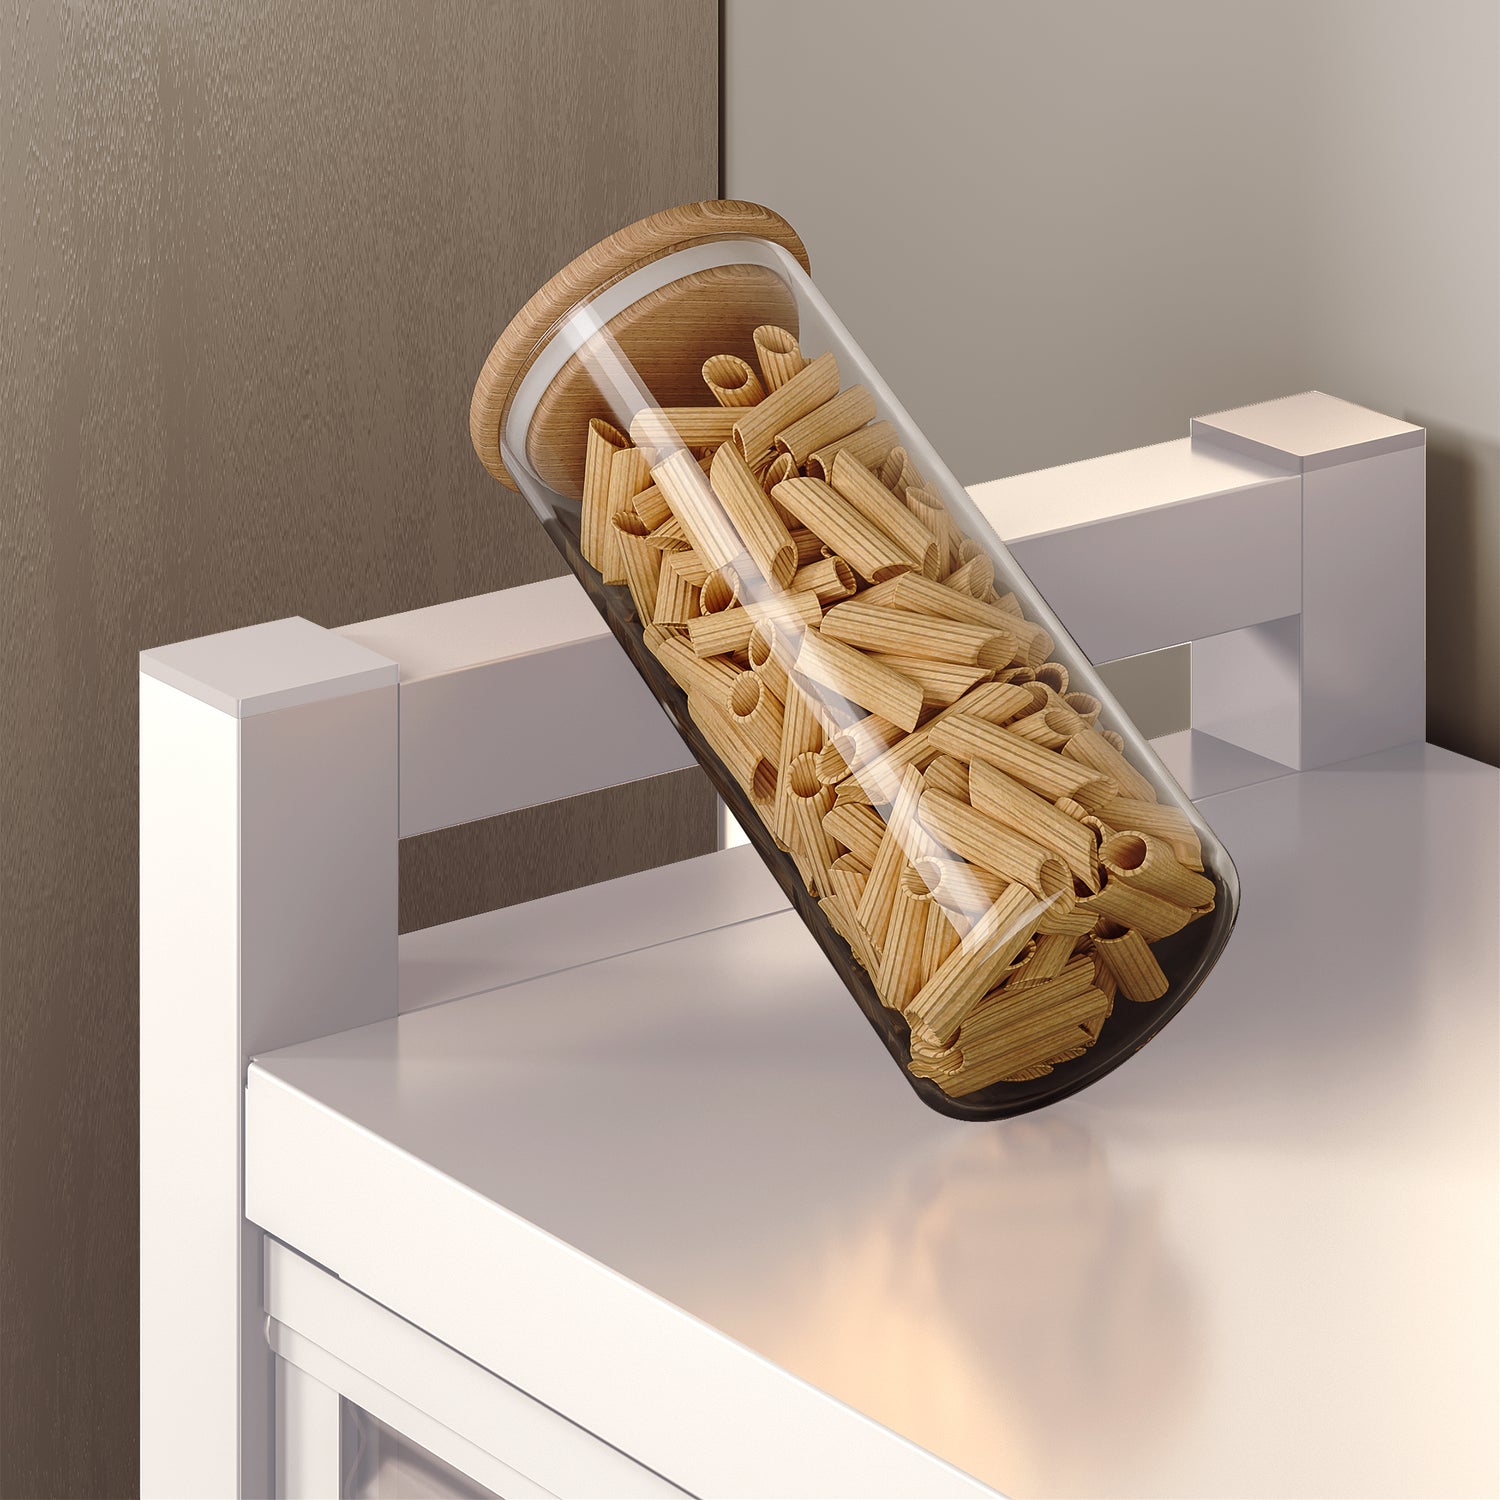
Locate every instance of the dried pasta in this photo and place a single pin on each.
(860, 678)
(869, 445)
(1127, 956)
(755, 430)
(732, 381)
(995, 859)
(844, 415)
(864, 546)
(595, 539)
(851, 479)
(779, 354)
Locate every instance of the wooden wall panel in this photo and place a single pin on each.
(522, 856)
(251, 258)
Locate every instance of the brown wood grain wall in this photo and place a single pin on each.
(251, 258)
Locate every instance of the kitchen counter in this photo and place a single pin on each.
(659, 1173)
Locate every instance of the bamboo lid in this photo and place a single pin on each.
(667, 335)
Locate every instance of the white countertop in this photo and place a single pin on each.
(1258, 1259)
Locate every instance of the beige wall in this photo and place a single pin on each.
(252, 255)
(1065, 229)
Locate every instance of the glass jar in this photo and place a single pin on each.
(1001, 870)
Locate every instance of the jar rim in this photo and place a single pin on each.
(599, 267)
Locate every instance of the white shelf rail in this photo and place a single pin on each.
(281, 764)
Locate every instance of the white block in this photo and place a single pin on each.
(191, 1314)
(1364, 658)
(1311, 430)
(268, 914)
(281, 664)
(1349, 679)
(1247, 688)
(309, 1458)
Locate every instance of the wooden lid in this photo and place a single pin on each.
(666, 335)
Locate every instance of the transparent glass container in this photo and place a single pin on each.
(997, 864)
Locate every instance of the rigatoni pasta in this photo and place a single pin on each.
(779, 354)
(1008, 802)
(1015, 1034)
(756, 429)
(801, 734)
(871, 552)
(732, 381)
(901, 967)
(1168, 823)
(940, 937)
(629, 474)
(1152, 916)
(869, 445)
(726, 631)
(859, 829)
(964, 890)
(698, 510)
(981, 957)
(754, 772)
(660, 430)
(1146, 863)
(976, 577)
(860, 679)
(832, 767)
(1031, 764)
(949, 774)
(933, 515)
(851, 479)
(990, 854)
(810, 801)
(1128, 958)
(926, 597)
(902, 842)
(830, 578)
(595, 538)
(898, 473)
(846, 413)
(641, 563)
(848, 875)
(762, 533)
(993, 847)
(943, 683)
(873, 627)
(766, 656)
(1094, 750)
(677, 595)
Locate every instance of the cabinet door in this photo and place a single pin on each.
(380, 1463)
(392, 1411)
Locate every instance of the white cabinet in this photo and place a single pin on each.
(616, 1194)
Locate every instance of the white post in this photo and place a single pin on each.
(268, 916)
(1347, 677)
(309, 1449)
